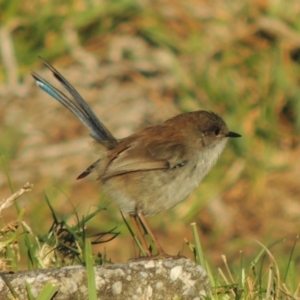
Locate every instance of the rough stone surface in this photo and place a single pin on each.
(141, 279)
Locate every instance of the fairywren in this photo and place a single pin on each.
(155, 168)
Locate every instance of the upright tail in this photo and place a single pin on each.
(82, 110)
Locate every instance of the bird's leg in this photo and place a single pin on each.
(144, 222)
(140, 234)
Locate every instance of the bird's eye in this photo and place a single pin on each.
(217, 131)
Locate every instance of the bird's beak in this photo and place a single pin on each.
(232, 134)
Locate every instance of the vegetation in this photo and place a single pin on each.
(237, 58)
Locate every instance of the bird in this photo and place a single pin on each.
(153, 169)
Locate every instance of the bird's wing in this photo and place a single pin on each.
(140, 157)
(89, 170)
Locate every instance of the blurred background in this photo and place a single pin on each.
(138, 63)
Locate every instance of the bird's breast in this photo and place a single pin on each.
(156, 190)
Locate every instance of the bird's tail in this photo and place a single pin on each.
(82, 110)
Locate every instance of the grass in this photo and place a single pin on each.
(260, 278)
(238, 58)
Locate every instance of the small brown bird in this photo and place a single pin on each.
(153, 169)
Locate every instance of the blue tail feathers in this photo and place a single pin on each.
(82, 110)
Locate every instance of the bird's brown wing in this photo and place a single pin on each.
(140, 157)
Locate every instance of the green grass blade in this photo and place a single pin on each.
(7, 282)
(28, 290)
(133, 235)
(199, 255)
(89, 262)
(198, 249)
(290, 259)
(48, 291)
